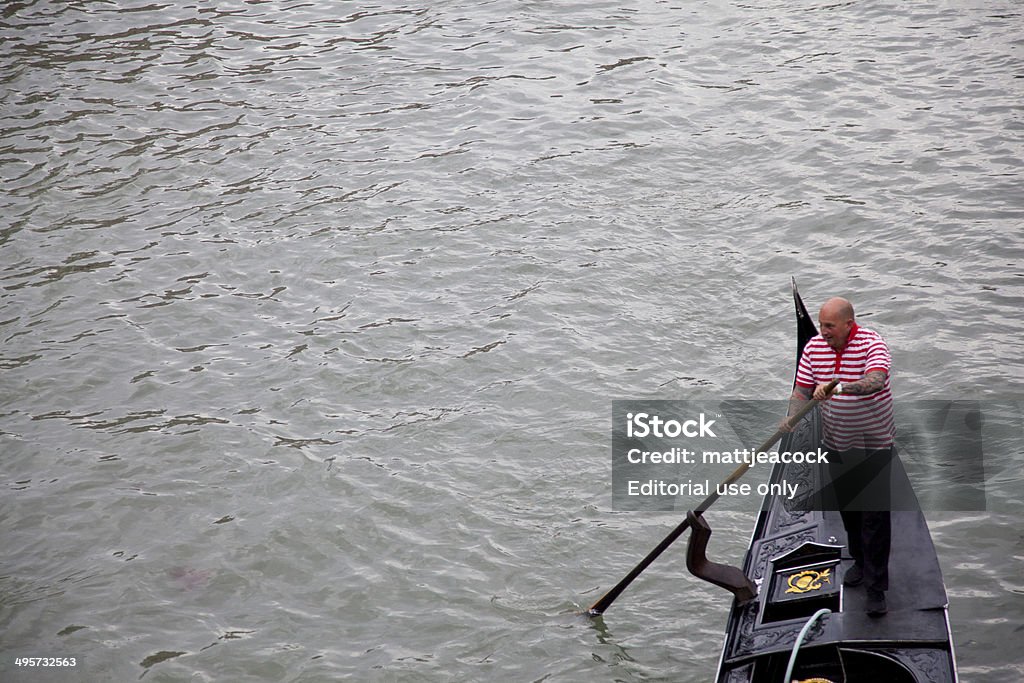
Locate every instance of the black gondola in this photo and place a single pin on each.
(795, 561)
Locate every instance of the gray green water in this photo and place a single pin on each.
(313, 313)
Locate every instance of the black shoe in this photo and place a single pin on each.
(876, 603)
(854, 576)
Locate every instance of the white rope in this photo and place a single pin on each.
(799, 641)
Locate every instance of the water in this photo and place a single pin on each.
(312, 315)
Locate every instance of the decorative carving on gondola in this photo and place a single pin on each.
(805, 476)
(751, 640)
(799, 510)
(778, 546)
(801, 583)
(808, 581)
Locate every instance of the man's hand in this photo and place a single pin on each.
(821, 392)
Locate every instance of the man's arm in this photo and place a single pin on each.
(871, 383)
(797, 399)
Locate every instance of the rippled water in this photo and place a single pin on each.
(312, 313)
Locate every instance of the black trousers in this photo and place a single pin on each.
(869, 534)
(861, 481)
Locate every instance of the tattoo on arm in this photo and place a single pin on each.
(873, 382)
(800, 396)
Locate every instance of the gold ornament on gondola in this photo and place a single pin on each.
(808, 580)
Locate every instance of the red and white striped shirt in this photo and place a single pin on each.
(851, 421)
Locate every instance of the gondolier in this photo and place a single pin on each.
(858, 431)
(804, 624)
(790, 619)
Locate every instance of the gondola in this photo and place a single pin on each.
(797, 609)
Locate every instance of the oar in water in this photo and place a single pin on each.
(599, 607)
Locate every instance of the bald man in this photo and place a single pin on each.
(858, 431)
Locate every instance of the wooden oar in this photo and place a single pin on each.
(605, 602)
